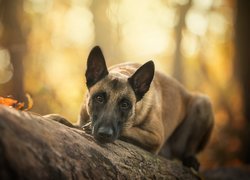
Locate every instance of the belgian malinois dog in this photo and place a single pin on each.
(145, 107)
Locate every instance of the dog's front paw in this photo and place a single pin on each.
(59, 118)
(191, 162)
(87, 128)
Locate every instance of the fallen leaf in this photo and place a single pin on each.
(13, 103)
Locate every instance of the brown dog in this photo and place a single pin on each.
(147, 108)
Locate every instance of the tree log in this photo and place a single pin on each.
(33, 147)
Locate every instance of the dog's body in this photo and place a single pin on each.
(146, 108)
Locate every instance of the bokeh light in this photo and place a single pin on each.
(59, 35)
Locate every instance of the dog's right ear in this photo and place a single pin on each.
(96, 67)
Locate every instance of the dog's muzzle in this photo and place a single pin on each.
(104, 134)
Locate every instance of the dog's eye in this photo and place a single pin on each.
(100, 99)
(125, 105)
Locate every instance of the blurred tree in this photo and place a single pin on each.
(107, 35)
(102, 24)
(242, 28)
(178, 65)
(14, 40)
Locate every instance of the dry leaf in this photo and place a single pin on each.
(10, 102)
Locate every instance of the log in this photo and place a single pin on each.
(33, 147)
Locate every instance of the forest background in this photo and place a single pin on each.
(44, 45)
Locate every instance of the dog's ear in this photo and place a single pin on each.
(96, 67)
(140, 81)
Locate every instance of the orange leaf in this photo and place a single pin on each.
(10, 102)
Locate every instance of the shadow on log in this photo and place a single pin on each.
(33, 147)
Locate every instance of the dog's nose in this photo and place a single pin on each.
(105, 133)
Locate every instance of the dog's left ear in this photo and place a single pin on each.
(140, 81)
(96, 67)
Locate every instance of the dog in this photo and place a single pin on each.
(144, 107)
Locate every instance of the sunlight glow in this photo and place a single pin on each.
(190, 44)
(37, 6)
(152, 40)
(196, 22)
(181, 2)
(77, 29)
(217, 23)
(144, 29)
(57, 73)
(203, 4)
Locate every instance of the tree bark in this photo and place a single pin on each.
(33, 147)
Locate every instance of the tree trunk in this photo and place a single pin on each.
(178, 64)
(242, 29)
(14, 40)
(107, 34)
(33, 147)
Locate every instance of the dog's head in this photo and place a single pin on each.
(112, 98)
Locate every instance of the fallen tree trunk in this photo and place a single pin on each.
(33, 147)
